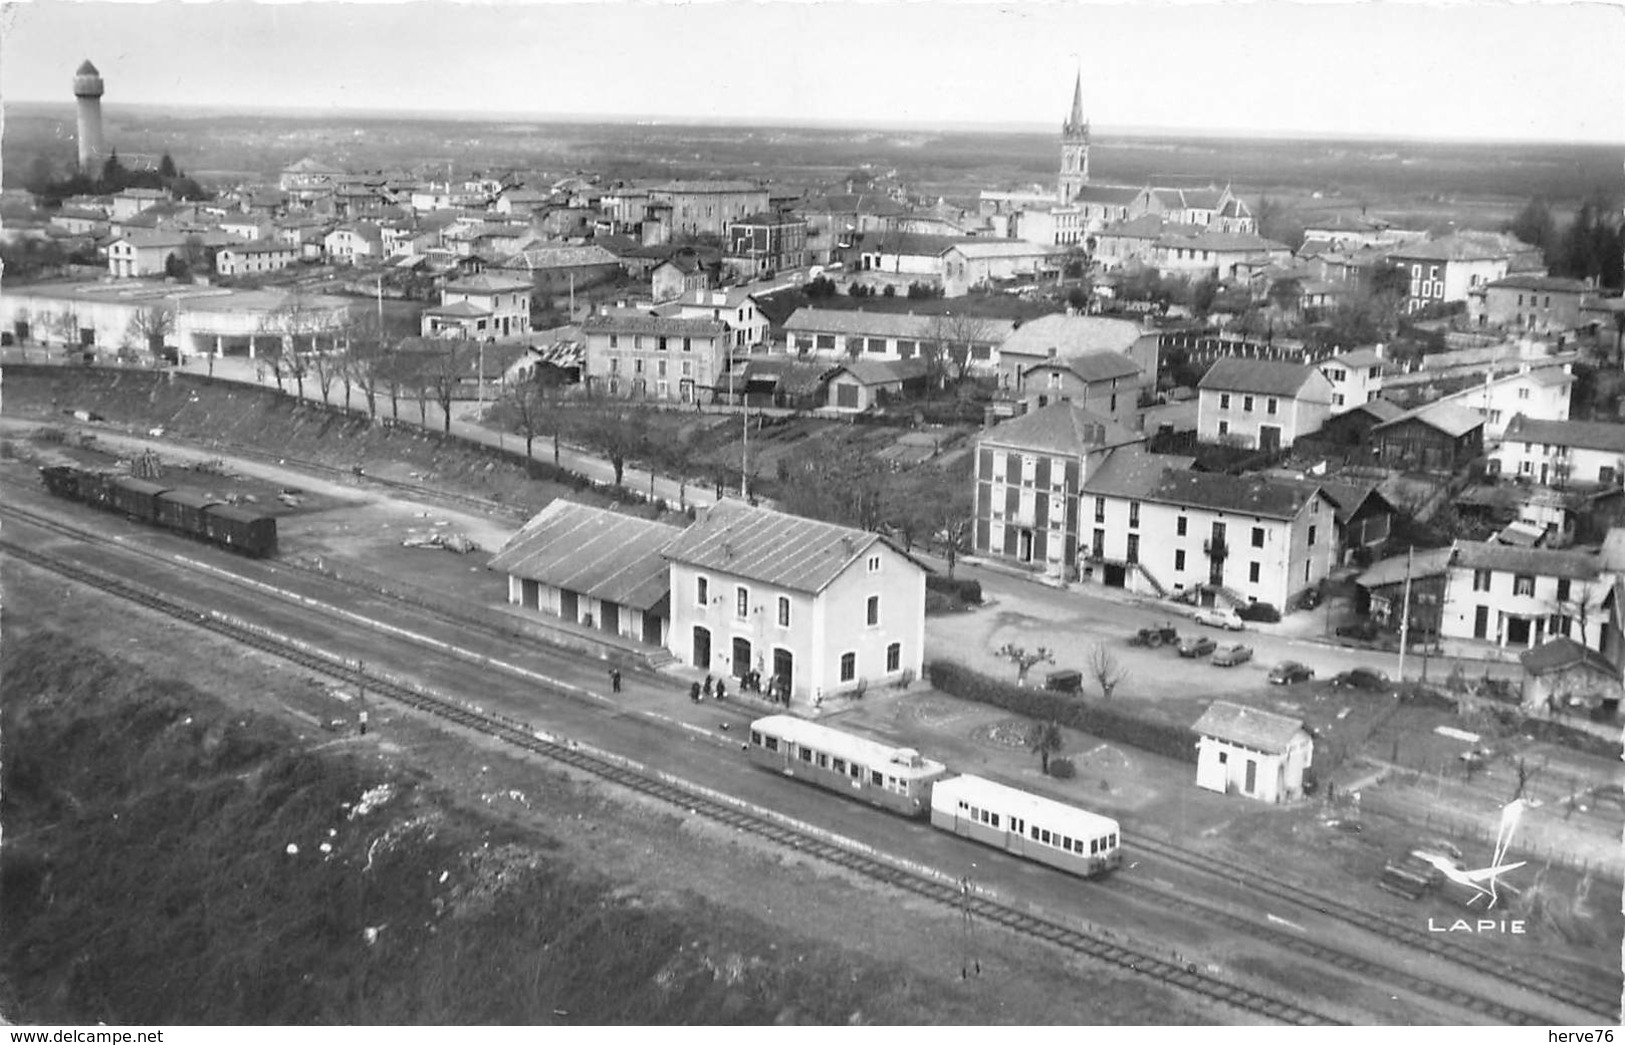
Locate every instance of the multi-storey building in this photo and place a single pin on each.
(1246, 538)
(1029, 472)
(1449, 269)
(824, 608)
(482, 307)
(632, 353)
(1524, 596)
(1562, 453)
(1531, 303)
(1261, 404)
(705, 207)
(763, 244)
(858, 333)
(1356, 377)
(246, 259)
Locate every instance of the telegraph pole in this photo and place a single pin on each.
(1405, 617)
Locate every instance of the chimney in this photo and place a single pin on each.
(848, 547)
(1053, 352)
(727, 550)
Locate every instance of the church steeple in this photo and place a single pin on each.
(1074, 148)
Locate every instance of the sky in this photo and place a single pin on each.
(1482, 70)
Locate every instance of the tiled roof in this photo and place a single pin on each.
(707, 187)
(1146, 226)
(1449, 418)
(912, 243)
(558, 257)
(852, 203)
(1550, 284)
(1244, 494)
(1426, 562)
(760, 544)
(1260, 376)
(1261, 730)
(999, 248)
(1063, 428)
(885, 371)
(810, 320)
(1071, 336)
(1121, 195)
(1360, 357)
(1543, 562)
(1093, 366)
(487, 284)
(1462, 247)
(1563, 653)
(459, 309)
(1587, 435)
(1223, 242)
(1348, 497)
(1130, 471)
(260, 247)
(592, 551)
(787, 375)
(631, 322)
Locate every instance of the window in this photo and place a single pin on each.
(1100, 509)
(1481, 580)
(1246, 404)
(1179, 560)
(1252, 572)
(806, 754)
(702, 590)
(1224, 427)
(849, 667)
(741, 603)
(823, 760)
(1133, 548)
(1224, 401)
(1311, 536)
(1179, 526)
(1271, 404)
(877, 778)
(1337, 399)
(1134, 513)
(1097, 545)
(872, 611)
(838, 765)
(1523, 584)
(874, 564)
(1562, 589)
(1523, 393)
(784, 611)
(894, 656)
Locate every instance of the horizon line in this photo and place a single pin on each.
(466, 115)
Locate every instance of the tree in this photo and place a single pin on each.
(1536, 226)
(524, 404)
(1045, 739)
(1285, 294)
(949, 345)
(113, 173)
(166, 168)
(1024, 659)
(149, 327)
(1105, 670)
(443, 373)
(619, 431)
(1591, 245)
(64, 326)
(294, 324)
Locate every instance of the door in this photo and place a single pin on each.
(846, 397)
(530, 593)
(784, 663)
(1251, 783)
(609, 617)
(1481, 622)
(1269, 437)
(741, 659)
(1025, 546)
(702, 647)
(651, 628)
(569, 605)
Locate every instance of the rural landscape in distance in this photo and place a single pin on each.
(932, 515)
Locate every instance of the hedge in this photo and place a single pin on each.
(1260, 611)
(964, 589)
(1107, 723)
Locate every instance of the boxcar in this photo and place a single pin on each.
(1027, 825)
(183, 510)
(252, 533)
(136, 498)
(96, 489)
(894, 778)
(62, 480)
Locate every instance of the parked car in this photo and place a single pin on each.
(1361, 678)
(1309, 599)
(1231, 655)
(1290, 671)
(1197, 646)
(1217, 618)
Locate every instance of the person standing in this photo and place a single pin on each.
(614, 680)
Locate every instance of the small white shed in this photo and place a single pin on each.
(1257, 753)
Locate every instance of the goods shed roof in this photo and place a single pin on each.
(592, 551)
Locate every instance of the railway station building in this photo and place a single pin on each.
(828, 608)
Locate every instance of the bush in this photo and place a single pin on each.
(1260, 611)
(1062, 768)
(1107, 723)
(963, 589)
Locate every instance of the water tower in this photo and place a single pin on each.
(87, 88)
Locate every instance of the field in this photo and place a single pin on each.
(1425, 182)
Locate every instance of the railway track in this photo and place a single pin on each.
(1597, 1004)
(1157, 895)
(519, 734)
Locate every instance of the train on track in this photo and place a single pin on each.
(902, 781)
(185, 511)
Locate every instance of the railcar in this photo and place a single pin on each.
(1026, 825)
(62, 480)
(894, 778)
(136, 498)
(251, 533)
(183, 510)
(96, 489)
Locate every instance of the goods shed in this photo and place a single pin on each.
(592, 567)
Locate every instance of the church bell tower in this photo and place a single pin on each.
(1074, 148)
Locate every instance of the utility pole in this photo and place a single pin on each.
(1405, 617)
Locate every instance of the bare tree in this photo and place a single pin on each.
(64, 326)
(1024, 659)
(149, 326)
(524, 404)
(1107, 673)
(1045, 739)
(295, 324)
(363, 358)
(444, 373)
(950, 341)
(619, 431)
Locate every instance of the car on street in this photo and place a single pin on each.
(1290, 671)
(1197, 646)
(1214, 617)
(1361, 678)
(1231, 655)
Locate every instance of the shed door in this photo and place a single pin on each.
(569, 604)
(651, 628)
(846, 396)
(702, 647)
(609, 617)
(530, 593)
